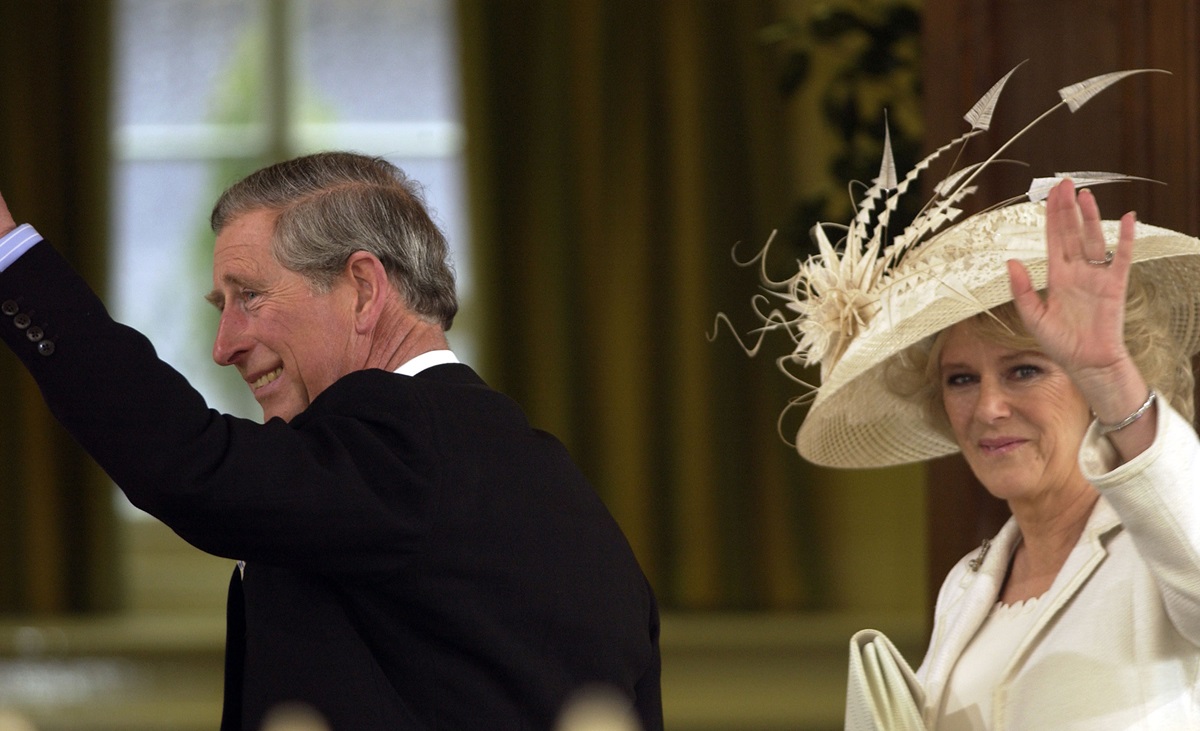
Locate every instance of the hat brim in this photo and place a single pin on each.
(856, 421)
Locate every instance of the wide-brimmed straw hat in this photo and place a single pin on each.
(856, 421)
(858, 303)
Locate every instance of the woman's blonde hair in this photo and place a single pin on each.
(915, 373)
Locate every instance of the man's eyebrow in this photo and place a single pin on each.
(217, 298)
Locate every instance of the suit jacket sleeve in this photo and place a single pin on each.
(230, 486)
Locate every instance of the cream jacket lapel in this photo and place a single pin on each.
(968, 597)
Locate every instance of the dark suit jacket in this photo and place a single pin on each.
(417, 556)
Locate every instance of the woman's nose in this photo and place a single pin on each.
(993, 403)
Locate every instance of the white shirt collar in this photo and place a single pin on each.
(426, 360)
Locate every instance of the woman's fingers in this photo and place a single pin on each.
(1092, 234)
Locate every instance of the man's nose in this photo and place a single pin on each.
(231, 341)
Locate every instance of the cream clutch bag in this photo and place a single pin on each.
(882, 693)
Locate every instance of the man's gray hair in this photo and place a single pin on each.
(332, 204)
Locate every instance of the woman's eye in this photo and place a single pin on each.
(1022, 372)
(958, 379)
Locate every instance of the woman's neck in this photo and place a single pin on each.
(1049, 532)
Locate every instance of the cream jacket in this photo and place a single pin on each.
(1117, 643)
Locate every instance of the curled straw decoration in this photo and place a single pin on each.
(835, 293)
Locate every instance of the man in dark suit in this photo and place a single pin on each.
(412, 554)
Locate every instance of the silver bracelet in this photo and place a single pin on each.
(1108, 428)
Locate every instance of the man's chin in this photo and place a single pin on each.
(271, 414)
(273, 410)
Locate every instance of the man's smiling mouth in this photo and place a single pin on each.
(266, 378)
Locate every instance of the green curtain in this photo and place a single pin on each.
(618, 150)
(56, 522)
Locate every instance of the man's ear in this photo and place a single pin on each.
(371, 287)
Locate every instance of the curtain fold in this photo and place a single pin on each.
(56, 521)
(618, 151)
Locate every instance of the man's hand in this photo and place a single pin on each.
(6, 220)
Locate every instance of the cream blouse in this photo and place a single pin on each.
(967, 704)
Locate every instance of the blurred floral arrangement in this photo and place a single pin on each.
(858, 61)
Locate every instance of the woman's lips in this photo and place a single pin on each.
(1000, 445)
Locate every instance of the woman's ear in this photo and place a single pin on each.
(371, 288)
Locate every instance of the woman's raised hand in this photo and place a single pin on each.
(1079, 322)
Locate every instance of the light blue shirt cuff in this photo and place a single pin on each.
(17, 242)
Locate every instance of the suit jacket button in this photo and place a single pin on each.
(22, 321)
(35, 333)
(9, 308)
(46, 347)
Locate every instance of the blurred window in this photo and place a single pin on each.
(208, 90)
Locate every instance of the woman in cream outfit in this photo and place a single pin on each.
(1084, 612)
(1009, 342)
(1005, 337)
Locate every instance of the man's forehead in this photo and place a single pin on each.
(255, 225)
(244, 240)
